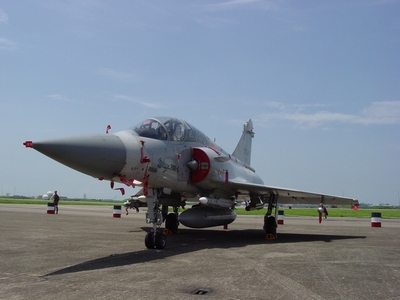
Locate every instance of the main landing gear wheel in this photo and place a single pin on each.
(270, 227)
(158, 241)
(171, 222)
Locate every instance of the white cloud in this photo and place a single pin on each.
(386, 112)
(378, 113)
(140, 102)
(298, 107)
(3, 17)
(317, 118)
(6, 44)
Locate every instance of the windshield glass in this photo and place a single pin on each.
(170, 129)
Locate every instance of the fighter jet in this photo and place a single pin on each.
(173, 162)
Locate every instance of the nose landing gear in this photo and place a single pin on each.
(155, 238)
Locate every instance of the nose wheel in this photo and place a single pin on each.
(155, 240)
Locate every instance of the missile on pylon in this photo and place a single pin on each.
(217, 202)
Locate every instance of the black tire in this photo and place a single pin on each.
(270, 225)
(148, 241)
(161, 240)
(171, 222)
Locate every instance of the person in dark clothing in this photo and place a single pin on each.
(56, 198)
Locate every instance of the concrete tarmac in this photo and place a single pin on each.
(85, 253)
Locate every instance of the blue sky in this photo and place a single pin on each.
(319, 79)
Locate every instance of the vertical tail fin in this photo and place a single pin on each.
(243, 148)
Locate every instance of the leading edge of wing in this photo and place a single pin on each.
(290, 196)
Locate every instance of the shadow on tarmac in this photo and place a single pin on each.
(191, 240)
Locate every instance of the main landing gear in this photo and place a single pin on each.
(270, 220)
(171, 222)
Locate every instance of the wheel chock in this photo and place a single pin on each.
(167, 231)
(269, 236)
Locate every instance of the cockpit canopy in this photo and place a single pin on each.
(170, 129)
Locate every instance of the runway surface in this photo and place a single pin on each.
(85, 253)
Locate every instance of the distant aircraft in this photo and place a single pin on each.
(174, 162)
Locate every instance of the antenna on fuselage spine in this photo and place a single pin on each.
(243, 148)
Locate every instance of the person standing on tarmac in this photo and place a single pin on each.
(56, 198)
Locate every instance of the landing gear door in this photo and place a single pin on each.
(184, 156)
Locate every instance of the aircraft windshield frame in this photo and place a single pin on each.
(170, 129)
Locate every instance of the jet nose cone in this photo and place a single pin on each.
(97, 155)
